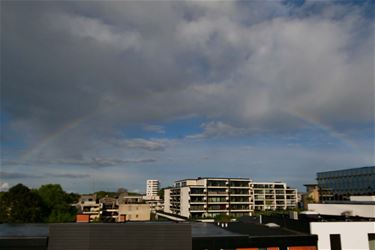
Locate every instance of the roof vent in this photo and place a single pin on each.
(273, 225)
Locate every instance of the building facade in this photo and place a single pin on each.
(274, 196)
(109, 209)
(210, 197)
(344, 235)
(341, 184)
(134, 212)
(89, 205)
(152, 188)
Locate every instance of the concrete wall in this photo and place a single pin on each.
(167, 201)
(367, 211)
(354, 235)
(185, 202)
(135, 212)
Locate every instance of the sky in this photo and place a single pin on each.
(98, 95)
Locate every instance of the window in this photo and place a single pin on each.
(371, 241)
(335, 241)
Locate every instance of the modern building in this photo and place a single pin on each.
(274, 196)
(152, 188)
(210, 197)
(341, 184)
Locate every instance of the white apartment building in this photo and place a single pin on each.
(209, 197)
(274, 196)
(152, 188)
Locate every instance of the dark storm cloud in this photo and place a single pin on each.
(69, 176)
(14, 175)
(83, 70)
(95, 162)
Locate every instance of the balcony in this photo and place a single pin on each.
(240, 202)
(197, 208)
(197, 194)
(222, 192)
(212, 183)
(241, 210)
(239, 184)
(217, 199)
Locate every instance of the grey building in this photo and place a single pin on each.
(340, 184)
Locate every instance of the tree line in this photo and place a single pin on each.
(47, 204)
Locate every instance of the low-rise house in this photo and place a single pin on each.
(89, 205)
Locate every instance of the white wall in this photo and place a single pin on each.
(167, 201)
(362, 198)
(337, 209)
(135, 212)
(354, 235)
(184, 202)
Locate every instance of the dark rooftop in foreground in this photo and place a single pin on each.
(148, 235)
(255, 230)
(23, 230)
(211, 230)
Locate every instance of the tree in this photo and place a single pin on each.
(20, 204)
(223, 218)
(57, 203)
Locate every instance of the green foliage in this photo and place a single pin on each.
(275, 212)
(49, 203)
(20, 205)
(223, 218)
(57, 204)
(101, 194)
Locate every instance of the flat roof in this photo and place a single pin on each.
(201, 229)
(259, 230)
(348, 169)
(24, 230)
(215, 178)
(348, 202)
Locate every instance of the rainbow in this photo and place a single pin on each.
(77, 122)
(329, 130)
(36, 149)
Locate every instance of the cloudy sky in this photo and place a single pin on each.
(97, 95)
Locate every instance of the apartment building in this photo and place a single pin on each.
(209, 197)
(152, 188)
(88, 205)
(274, 196)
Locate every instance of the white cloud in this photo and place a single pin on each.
(91, 29)
(138, 143)
(154, 128)
(220, 129)
(4, 186)
(91, 69)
